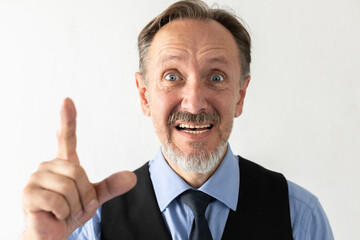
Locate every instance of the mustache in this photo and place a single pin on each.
(198, 118)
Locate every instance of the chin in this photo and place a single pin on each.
(200, 160)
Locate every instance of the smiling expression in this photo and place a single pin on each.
(193, 87)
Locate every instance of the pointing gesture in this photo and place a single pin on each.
(59, 197)
(67, 132)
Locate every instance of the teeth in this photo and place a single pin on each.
(195, 132)
(194, 126)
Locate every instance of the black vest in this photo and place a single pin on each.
(262, 212)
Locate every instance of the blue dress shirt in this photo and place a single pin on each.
(308, 219)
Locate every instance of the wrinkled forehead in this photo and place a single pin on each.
(204, 39)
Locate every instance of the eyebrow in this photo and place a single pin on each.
(221, 60)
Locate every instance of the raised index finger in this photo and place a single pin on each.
(67, 132)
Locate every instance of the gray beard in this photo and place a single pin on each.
(200, 161)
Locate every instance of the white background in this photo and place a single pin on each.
(301, 116)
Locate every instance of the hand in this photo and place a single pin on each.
(59, 197)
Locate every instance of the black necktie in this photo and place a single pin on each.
(198, 201)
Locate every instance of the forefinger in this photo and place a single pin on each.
(67, 132)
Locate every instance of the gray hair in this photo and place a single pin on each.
(197, 9)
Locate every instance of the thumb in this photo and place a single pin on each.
(115, 185)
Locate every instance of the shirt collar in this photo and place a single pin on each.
(223, 185)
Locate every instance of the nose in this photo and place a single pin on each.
(194, 96)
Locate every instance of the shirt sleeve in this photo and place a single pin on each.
(91, 230)
(308, 218)
(319, 226)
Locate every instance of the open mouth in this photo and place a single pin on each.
(194, 129)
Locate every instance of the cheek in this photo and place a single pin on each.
(162, 105)
(224, 104)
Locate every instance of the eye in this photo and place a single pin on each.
(216, 78)
(172, 77)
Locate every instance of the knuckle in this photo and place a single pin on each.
(27, 191)
(59, 133)
(66, 132)
(54, 201)
(34, 177)
(43, 165)
(76, 171)
(67, 186)
(27, 197)
(90, 194)
(59, 205)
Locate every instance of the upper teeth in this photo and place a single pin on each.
(194, 126)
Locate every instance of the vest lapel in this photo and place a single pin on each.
(263, 207)
(136, 214)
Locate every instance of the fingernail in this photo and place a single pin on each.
(93, 204)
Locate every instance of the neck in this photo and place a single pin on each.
(194, 179)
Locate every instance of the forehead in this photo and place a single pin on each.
(189, 38)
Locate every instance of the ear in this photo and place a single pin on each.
(242, 93)
(140, 84)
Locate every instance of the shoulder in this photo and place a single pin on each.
(308, 218)
(301, 197)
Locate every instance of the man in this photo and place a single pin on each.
(194, 72)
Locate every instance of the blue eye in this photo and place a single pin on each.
(172, 77)
(216, 78)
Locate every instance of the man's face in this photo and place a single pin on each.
(193, 68)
